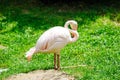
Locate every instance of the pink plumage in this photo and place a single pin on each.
(54, 39)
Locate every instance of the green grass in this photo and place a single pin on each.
(98, 47)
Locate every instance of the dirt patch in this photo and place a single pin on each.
(2, 47)
(42, 75)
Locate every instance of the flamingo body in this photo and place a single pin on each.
(57, 38)
(53, 40)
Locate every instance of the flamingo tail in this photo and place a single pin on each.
(30, 52)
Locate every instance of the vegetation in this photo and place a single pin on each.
(97, 48)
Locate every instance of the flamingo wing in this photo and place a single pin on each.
(53, 39)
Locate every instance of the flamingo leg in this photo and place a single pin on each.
(55, 62)
(58, 61)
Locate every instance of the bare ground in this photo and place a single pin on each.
(42, 75)
(2, 47)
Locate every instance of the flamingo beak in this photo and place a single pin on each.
(76, 27)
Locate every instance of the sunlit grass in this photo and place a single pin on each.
(97, 48)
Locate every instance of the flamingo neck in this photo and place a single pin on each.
(72, 23)
(73, 30)
(67, 24)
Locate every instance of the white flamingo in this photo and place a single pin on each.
(54, 39)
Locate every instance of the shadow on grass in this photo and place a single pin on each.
(21, 17)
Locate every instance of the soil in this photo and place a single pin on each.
(42, 75)
(2, 47)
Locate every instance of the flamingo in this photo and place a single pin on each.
(53, 40)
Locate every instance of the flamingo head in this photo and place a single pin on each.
(73, 24)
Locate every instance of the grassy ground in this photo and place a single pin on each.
(97, 48)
